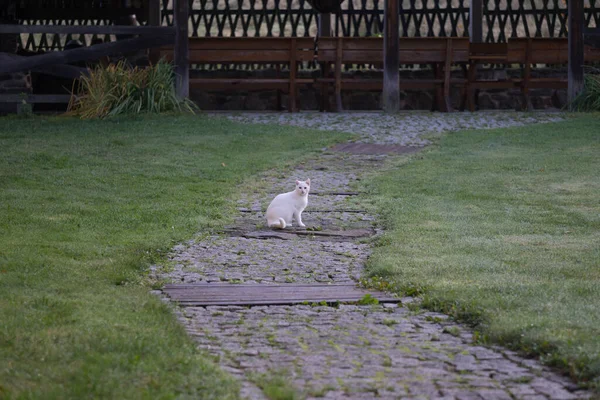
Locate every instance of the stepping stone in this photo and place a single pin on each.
(335, 193)
(291, 234)
(247, 210)
(370, 148)
(225, 294)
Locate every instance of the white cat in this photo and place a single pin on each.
(288, 205)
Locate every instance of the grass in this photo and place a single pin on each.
(276, 385)
(85, 208)
(502, 229)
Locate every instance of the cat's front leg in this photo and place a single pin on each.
(299, 219)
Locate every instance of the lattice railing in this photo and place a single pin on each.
(502, 19)
(35, 42)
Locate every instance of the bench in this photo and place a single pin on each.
(525, 52)
(485, 53)
(553, 51)
(226, 51)
(440, 53)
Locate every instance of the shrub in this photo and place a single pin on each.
(589, 98)
(120, 89)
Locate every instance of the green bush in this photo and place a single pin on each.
(589, 98)
(119, 89)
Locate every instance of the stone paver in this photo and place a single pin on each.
(347, 352)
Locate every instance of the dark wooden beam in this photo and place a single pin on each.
(576, 49)
(84, 53)
(591, 37)
(391, 58)
(591, 31)
(324, 25)
(476, 21)
(325, 31)
(35, 98)
(182, 56)
(46, 13)
(154, 19)
(89, 29)
(60, 70)
(63, 71)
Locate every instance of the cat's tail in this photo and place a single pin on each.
(280, 225)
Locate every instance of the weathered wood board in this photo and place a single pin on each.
(370, 148)
(225, 294)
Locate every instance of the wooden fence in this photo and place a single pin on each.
(502, 19)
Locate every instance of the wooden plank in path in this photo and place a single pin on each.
(294, 233)
(226, 294)
(369, 148)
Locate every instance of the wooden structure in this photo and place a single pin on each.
(529, 52)
(226, 294)
(333, 54)
(280, 51)
(56, 63)
(439, 53)
(42, 23)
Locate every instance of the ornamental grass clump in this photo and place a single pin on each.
(120, 89)
(589, 99)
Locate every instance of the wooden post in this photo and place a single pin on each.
(325, 25)
(576, 49)
(181, 56)
(391, 58)
(476, 21)
(324, 31)
(154, 19)
(475, 36)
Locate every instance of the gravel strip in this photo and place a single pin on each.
(405, 128)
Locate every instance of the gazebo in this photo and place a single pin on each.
(164, 22)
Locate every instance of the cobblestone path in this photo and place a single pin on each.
(380, 351)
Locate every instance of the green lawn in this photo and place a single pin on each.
(502, 229)
(85, 208)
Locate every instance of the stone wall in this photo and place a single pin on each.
(309, 97)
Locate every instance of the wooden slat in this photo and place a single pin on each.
(241, 43)
(207, 294)
(351, 56)
(210, 84)
(291, 234)
(88, 29)
(35, 98)
(543, 50)
(476, 21)
(82, 13)
(492, 84)
(83, 53)
(179, 286)
(575, 50)
(154, 20)
(181, 53)
(276, 303)
(222, 56)
(369, 148)
(411, 50)
(60, 70)
(591, 54)
(314, 193)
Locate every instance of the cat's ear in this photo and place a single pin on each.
(297, 182)
(308, 182)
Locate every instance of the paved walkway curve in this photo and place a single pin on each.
(348, 352)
